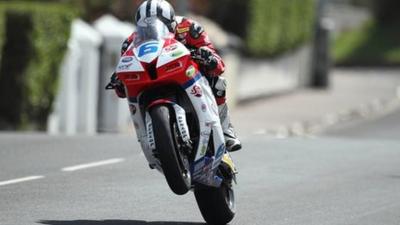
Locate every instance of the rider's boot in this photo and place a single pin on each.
(232, 142)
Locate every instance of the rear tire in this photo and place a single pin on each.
(217, 205)
(177, 176)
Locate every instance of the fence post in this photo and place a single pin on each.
(113, 112)
(321, 63)
(76, 103)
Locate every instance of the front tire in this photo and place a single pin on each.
(173, 163)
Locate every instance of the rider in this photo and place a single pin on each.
(193, 36)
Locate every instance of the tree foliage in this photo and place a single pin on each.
(387, 12)
(35, 67)
(269, 27)
(276, 26)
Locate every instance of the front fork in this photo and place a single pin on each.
(182, 126)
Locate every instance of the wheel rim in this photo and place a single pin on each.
(230, 197)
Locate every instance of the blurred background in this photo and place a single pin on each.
(56, 56)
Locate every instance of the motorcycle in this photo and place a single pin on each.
(176, 120)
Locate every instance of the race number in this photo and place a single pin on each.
(148, 49)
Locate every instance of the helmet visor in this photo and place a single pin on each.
(150, 29)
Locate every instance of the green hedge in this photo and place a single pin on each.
(370, 45)
(51, 24)
(276, 26)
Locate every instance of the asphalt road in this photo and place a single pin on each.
(350, 175)
(385, 128)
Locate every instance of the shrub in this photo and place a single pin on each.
(12, 87)
(369, 45)
(49, 35)
(233, 16)
(279, 25)
(387, 12)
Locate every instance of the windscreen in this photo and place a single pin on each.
(150, 29)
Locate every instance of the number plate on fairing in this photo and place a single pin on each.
(149, 51)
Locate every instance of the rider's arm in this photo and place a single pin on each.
(127, 43)
(114, 81)
(199, 39)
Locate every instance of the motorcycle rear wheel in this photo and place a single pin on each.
(175, 171)
(217, 205)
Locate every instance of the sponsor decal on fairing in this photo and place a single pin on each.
(124, 67)
(150, 133)
(177, 54)
(129, 64)
(204, 108)
(170, 48)
(191, 71)
(203, 172)
(171, 53)
(197, 91)
(182, 124)
(127, 59)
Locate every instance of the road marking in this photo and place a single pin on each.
(93, 164)
(20, 180)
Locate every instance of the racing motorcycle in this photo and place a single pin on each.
(176, 120)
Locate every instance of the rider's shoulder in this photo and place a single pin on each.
(187, 25)
(183, 24)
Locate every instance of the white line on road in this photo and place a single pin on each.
(93, 164)
(19, 180)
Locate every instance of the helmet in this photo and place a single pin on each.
(157, 8)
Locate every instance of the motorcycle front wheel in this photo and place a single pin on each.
(175, 165)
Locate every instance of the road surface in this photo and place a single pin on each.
(349, 175)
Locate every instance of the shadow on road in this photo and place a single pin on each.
(112, 222)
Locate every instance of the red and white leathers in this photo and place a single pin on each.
(193, 36)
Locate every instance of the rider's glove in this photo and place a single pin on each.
(117, 85)
(207, 55)
(125, 46)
